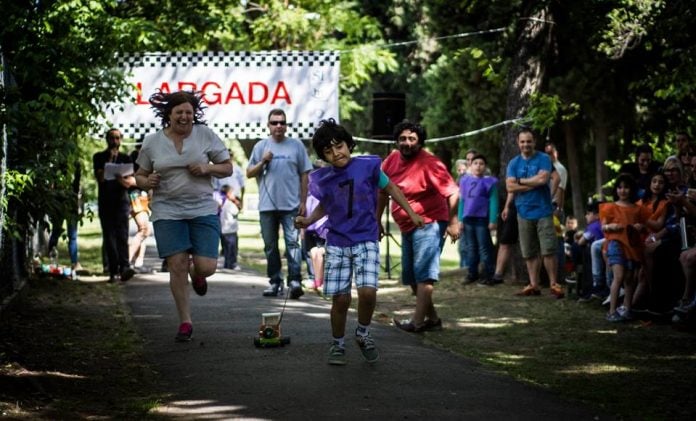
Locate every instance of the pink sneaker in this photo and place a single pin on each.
(200, 285)
(185, 332)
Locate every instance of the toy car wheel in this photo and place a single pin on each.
(257, 342)
(285, 341)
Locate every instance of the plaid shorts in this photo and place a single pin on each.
(342, 263)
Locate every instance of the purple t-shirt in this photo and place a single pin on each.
(349, 198)
(593, 231)
(475, 193)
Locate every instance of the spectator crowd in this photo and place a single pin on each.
(633, 251)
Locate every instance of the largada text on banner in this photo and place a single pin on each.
(239, 89)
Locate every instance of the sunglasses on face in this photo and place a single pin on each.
(278, 122)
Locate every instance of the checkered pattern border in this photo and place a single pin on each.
(230, 59)
(228, 130)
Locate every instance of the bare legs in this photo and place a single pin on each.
(367, 299)
(534, 267)
(178, 279)
(502, 259)
(136, 248)
(317, 256)
(424, 304)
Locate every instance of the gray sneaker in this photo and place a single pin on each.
(615, 317)
(337, 355)
(367, 347)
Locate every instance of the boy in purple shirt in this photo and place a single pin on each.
(478, 200)
(591, 240)
(347, 194)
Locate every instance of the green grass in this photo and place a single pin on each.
(635, 370)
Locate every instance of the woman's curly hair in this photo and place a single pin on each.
(163, 103)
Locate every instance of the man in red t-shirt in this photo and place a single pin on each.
(432, 193)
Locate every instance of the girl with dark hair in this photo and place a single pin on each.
(655, 201)
(622, 223)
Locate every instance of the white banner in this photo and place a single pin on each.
(239, 89)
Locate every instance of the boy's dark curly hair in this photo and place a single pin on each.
(413, 127)
(330, 133)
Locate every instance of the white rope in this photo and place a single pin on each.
(442, 139)
(461, 35)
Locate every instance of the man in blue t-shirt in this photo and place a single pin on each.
(527, 177)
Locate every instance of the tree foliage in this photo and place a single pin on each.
(58, 55)
(616, 72)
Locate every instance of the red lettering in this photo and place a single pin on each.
(261, 86)
(212, 92)
(139, 94)
(281, 95)
(216, 95)
(234, 93)
(191, 86)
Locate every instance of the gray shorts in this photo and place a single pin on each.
(537, 237)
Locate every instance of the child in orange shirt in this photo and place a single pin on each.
(622, 223)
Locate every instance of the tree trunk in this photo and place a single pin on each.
(601, 138)
(524, 79)
(574, 171)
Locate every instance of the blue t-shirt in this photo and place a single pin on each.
(536, 203)
(349, 198)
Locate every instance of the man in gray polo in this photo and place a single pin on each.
(281, 166)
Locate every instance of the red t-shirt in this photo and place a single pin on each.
(425, 182)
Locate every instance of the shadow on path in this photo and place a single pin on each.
(221, 375)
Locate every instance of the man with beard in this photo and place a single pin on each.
(434, 196)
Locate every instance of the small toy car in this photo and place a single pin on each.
(269, 332)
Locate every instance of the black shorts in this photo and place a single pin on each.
(508, 232)
(313, 240)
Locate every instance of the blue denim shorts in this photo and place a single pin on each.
(615, 256)
(342, 263)
(420, 253)
(199, 236)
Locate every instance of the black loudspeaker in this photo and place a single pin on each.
(388, 109)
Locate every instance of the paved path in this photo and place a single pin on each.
(221, 375)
